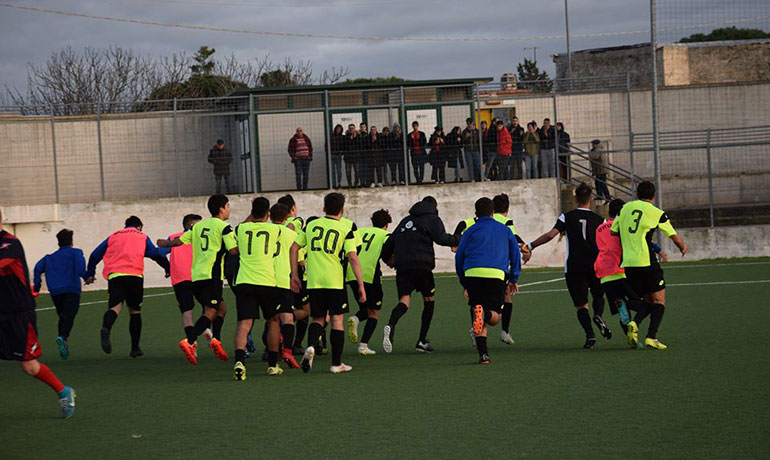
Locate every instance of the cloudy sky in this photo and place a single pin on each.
(30, 37)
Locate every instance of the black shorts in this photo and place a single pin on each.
(184, 296)
(331, 301)
(128, 289)
(250, 298)
(373, 294)
(578, 285)
(301, 298)
(487, 292)
(67, 305)
(620, 290)
(285, 300)
(208, 293)
(415, 280)
(18, 337)
(646, 280)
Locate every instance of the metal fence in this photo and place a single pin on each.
(714, 160)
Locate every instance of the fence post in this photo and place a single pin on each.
(55, 157)
(654, 104)
(255, 184)
(327, 125)
(404, 133)
(176, 153)
(710, 177)
(556, 134)
(99, 140)
(630, 132)
(481, 136)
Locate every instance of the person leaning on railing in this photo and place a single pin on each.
(337, 141)
(301, 152)
(531, 149)
(564, 141)
(504, 150)
(454, 143)
(599, 169)
(548, 149)
(395, 156)
(416, 143)
(472, 156)
(352, 148)
(517, 155)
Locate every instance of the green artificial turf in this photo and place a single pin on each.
(707, 396)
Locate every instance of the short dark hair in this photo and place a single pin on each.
(431, 200)
(64, 237)
(501, 202)
(279, 212)
(259, 207)
(415, 123)
(334, 203)
(583, 193)
(186, 220)
(615, 206)
(288, 201)
(134, 222)
(645, 190)
(215, 203)
(484, 207)
(381, 218)
(546, 119)
(469, 120)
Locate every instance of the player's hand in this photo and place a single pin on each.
(663, 256)
(90, 280)
(465, 293)
(683, 249)
(161, 243)
(296, 284)
(34, 292)
(361, 293)
(513, 288)
(525, 256)
(168, 275)
(454, 248)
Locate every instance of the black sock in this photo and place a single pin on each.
(109, 319)
(598, 304)
(264, 335)
(272, 358)
(427, 317)
(397, 313)
(287, 332)
(337, 338)
(188, 331)
(135, 328)
(361, 314)
(201, 325)
(371, 324)
(655, 318)
(301, 329)
(323, 336)
(507, 314)
(642, 312)
(313, 334)
(240, 355)
(481, 345)
(585, 320)
(216, 327)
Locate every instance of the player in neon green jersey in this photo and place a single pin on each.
(211, 239)
(372, 239)
(329, 241)
(636, 225)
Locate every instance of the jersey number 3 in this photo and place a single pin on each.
(635, 227)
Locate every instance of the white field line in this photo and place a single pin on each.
(540, 291)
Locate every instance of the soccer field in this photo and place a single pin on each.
(707, 396)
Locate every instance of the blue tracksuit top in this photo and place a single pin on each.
(488, 244)
(63, 270)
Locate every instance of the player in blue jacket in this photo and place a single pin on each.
(488, 263)
(63, 271)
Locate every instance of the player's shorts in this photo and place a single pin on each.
(184, 295)
(67, 305)
(301, 298)
(128, 289)
(18, 337)
(208, 293)
(373, 294)
(331, 301)
(285, 300)
(646, 280)
(251, 298)
(421, 281)
(487, 292)
(617, 291)
(578, 285)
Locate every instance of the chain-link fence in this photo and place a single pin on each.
(714, 143)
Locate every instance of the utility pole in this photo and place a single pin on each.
(569, 55)
(654, 105)
(534, 48)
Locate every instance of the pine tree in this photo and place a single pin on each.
(531, 78)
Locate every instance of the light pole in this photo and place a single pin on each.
(534, 48)
(654, 106)
(569, 55)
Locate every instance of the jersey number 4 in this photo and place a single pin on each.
(330, 239)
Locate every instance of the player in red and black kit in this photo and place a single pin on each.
(18, 330)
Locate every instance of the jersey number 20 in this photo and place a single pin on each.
(330, 240)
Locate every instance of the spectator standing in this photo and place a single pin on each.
(301, 153)
(396, 156)
(599, 169)
(337, 141)
(548, 149)
(377, 155)
(490, 148)
(504, 150)
(531, 150)
(352, 142)
(472, 151)
(221, 157)
(454, 142)
(564, 142)
(517, 149)
(364, 157)
(438, 155)
(416, 144)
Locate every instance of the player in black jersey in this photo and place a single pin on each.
(580, 227)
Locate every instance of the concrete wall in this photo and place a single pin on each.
(722, 242)
(534, 208)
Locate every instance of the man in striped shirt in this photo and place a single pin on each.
(301, 153)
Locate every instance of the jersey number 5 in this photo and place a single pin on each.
(635, 227)
(205, 238)
(329, 240)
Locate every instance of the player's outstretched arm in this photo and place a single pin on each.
(355, 264)
(94, 259)
(152, 252)
(38, 274)
(543, 239)
(162, 243)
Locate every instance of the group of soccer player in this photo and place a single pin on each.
(294, 273)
